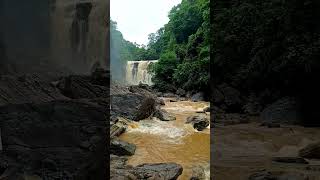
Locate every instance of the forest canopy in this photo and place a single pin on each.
(182, 46)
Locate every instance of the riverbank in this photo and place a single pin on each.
(248, 151)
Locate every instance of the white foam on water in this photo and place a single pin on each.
(160, 128)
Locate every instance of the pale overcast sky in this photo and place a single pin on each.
(138, 18)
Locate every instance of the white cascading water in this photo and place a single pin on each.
(137, 71)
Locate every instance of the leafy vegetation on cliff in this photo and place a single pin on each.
(183, 48)
(260, 45)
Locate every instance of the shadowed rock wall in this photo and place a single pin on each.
(53, 35)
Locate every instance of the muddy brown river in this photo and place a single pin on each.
(174, 141)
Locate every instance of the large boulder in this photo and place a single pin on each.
(286, 110)
(121, 148)
(199, 122)
(165, 171)
(132, 106)
(63, 134)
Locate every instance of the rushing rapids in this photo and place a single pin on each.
(172, 141)
(137, 71)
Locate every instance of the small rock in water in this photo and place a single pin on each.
(199, 122)
(297, 160)
(163, 115)
(121, 148)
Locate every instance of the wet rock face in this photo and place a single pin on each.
(53, 34)
(57, 134)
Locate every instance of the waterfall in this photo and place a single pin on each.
(137, 71)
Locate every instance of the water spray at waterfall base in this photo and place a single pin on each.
(137, 72)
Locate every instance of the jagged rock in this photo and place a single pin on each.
(198, 122)
(121, 148)
(76, 87)
(117, 161)
(197, 173)
(27, 89)
(166, 171)
(197, 97)
(163, 115)
(142, 90)
(146, 108)
(311, 151)
(297, 160)
(285, 110)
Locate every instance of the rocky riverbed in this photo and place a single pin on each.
(167, 134)
(257, 152)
